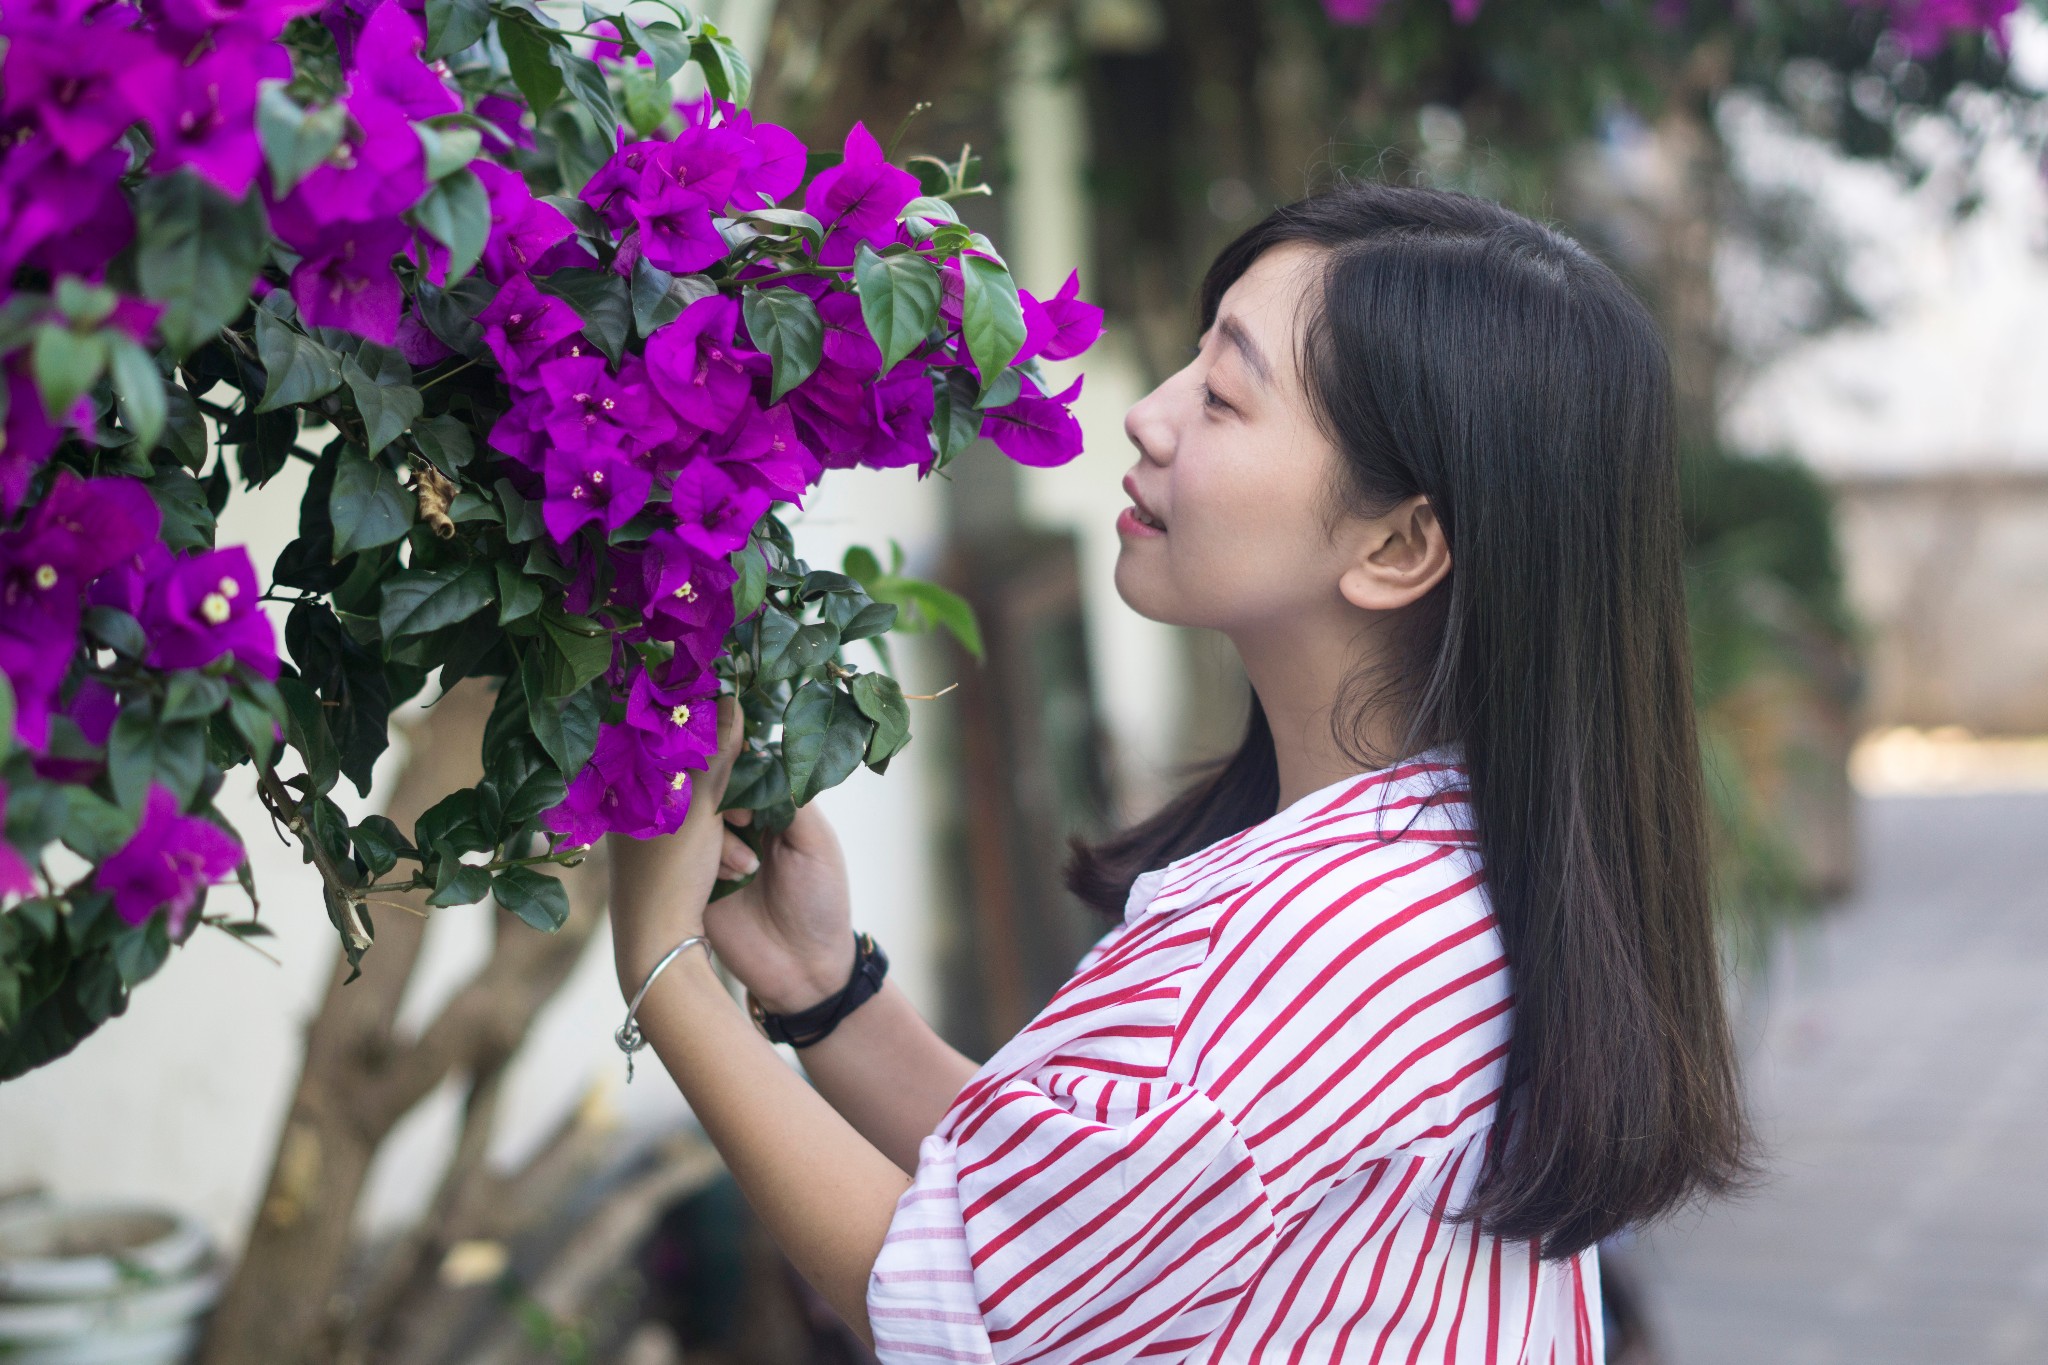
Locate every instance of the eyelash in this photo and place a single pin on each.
(1210, 400)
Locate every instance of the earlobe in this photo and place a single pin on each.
(1401, 557)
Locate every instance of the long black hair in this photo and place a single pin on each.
(1470, 355)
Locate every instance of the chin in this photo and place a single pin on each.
(1144, 594)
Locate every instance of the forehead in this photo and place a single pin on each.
(1267, 301)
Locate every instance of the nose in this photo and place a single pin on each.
(1147, 427)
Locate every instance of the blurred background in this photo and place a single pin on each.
(1837, 210)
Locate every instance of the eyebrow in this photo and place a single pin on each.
(1255, 360)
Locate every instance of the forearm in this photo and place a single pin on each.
(825, 1194)
(888, 1073)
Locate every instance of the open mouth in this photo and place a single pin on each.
(1144, 518)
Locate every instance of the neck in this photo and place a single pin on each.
(1299, 677)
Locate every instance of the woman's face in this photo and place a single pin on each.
(1233, 466)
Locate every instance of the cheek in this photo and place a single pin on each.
(1242, 547)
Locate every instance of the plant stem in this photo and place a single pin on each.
(567, 857)
(341, 901)
(449, 374)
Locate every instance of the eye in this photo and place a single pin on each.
(1212, 401)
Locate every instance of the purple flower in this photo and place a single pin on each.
(762, 448)
(17, 878)
(678, 724)
(126, 585)
(1353, 13)
(168, 864)
(82, 528)
(594, 481)
(714, 512)
(205, 117)
(29, 436)
(417, 343)
(624, 790)
(847, 343)
(676, 231)
(858, 199)
(585, 404)
(68, 219)
(92, 709)
(387, 64)
(699, 370)
(261, 19)
(346, 280)
(1074, 325)
(522, 227)
(377, 172)
(206, 607)
(1924, 26)
(79, 81)
(522, 326)
(777, 165)
(902, 430)
(38, 636)
(1035, 429)
(675, 589)
(508, 116)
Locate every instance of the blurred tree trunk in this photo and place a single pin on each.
(284, 1304)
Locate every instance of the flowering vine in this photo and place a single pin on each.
(552, 349)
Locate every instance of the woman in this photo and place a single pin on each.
(1416, 998)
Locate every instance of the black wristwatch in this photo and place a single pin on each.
(806, 1027)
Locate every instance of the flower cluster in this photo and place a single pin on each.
(566, 372)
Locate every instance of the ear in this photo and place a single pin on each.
(1399, 557)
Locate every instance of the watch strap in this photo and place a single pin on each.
(805, 1027)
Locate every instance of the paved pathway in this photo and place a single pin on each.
(1899, 1067)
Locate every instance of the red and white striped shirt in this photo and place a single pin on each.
(1231, 1134)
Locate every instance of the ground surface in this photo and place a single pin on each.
(1899, 1070)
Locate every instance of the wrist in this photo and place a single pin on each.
(808, 983)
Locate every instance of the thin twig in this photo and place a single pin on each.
(450, 373)
(912, 696)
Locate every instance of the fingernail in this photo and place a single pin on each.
(749, 864)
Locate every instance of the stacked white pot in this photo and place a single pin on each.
(101, 1284)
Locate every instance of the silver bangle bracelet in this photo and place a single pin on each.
(629, 1037)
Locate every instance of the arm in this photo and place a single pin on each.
(825, 1193)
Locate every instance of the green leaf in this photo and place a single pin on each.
(518, 595)
(307, 731)
(824, 735)
(785, 325)
(85, 306)
(185, 429)
(418, 601)
(574, 651)
(757, 782)
(991, 317)
(955, 423)
(860, 564)
(453, 25)
(367, 506)
(446, 442)
(647, 98)
(752, 583)
(295, 140)
(141, 951)
(256, 723)
(528, 50)
(535, 897)
(139, 390)
(526, 780)
(450, 314)
(566, 728)
(188, 521)
(452, 826)
(874, 618)
(880, 699)
(726, 72)
(297, 369)
(7, 713)
(191, 695)
(142, 751)
(386, 400)
(196, 252)
(899, 300)
(450, 146)
(585, 81)
(457, 883)
(457, 214)
(793, 220)
(659, 297)
(663, 41)
(937, 605)
(94, 828)
(600, 298)
(1003, 392)
(66, 364)
(380, 843)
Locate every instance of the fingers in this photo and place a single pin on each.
(708, 788)
(735, 859)
(739, 817)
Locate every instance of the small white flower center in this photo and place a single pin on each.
(230, 589)
(46, 577)
(681, 714)
(215, 608)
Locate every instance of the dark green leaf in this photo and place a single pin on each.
(752, 583)
(823, 738)
(535, 897)
(457, 214)
(881, 700)
(457, 883)
(446, 443)
(757, 782)
(380, 843)
(387, 408)
(65, 365)
(600, 298)
(587, 84)
(874, 618)
(522, 514)
(295, 140)
(185, 428)
(141, 751)
(451, 826)
(518, 595)
(955, 423)
(899, 300)
(139, 390)
(94, 828)
(449, 146)
(1002, 393)
(659, 297)
(297, 369)
(417, 601)
(526, 779)
(664, 42)
(257, 724)
(191, 695)
(646, 101)
(991, 317)
(529, 53)
(115, 629)
(453, 25)
(188, 521)
(141, 951)
(307, 731)
(368, 507)
(567, 728)
(573, 652)
(450, 314)
(196, 252)
(784, 324)
(726, 73)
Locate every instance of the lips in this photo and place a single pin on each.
(1145, 515)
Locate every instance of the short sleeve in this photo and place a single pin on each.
(1073, 1216)
(1353, 1008)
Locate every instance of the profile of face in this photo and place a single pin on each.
(1234, 476)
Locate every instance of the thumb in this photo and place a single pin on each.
(709, 787)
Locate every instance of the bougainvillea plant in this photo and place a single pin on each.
(545, 349)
